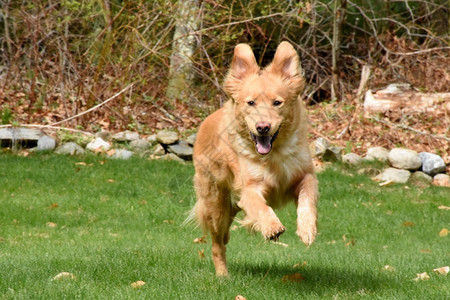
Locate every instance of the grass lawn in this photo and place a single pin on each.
(112, 223)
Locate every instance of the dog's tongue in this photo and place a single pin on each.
(263, 145)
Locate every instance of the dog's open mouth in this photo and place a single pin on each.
(264, 143)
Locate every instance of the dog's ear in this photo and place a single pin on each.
(244, 62)
(286, 64)
(242, 65)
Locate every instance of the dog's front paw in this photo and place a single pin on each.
(273, 230)
(307, 229)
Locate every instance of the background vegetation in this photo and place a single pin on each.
(61, 57)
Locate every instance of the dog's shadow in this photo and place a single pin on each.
(317, 280)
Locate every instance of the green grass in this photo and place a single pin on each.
(120, 221)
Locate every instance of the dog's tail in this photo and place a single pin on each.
(191, 218)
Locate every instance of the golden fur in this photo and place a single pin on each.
(253, 155)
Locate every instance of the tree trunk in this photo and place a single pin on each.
(181, 73)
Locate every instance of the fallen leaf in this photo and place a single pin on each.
(138, 284)
(386, 183)
(52, 225)
(296, 277)
(442, 270)
(53, 206)
(280, 244)
(64, 275)
(111, 180)
(239, 297)
(201, 254)
(443, 207)
(81, 163)
(421, 276)
(388, 268)
(200, 240)
(428, 251)
(300, 265)
(408, 224)
(443, 232)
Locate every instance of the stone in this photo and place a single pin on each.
(421, 179)
(351, 158)
(98, 144)
(105, 135)
(406, 159)
(182, 150)
(167, 137)
(171, 156)
(394, 175)
(46, 143)
(191, 139)
(319, 146)
(441, 180)
(122, 154)
(333, 154)
(140, 145)
(432, 164)
(158, 150)
(70, 148)
(151, 139)
(377, 153)
(14, 133)
(125, 136)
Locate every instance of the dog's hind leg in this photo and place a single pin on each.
(215, 214)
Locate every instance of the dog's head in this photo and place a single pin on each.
(264, 99)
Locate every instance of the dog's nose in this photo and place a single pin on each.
(263, 127)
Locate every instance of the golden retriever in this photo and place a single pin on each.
(253, 154)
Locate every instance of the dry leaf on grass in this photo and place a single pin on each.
(442, 270)
(421, 276)
(111, 180)
(201, 254)
(200, 240)
(239, 297)
(443, 232)
(138, 284)
(280, 244)
(427, 251)
(64, 275)
(52, 225)
(388, 268)
(408, 224)
(80, 163)
(443, 207)
(53, 206)
(300, 265)
(296, 277)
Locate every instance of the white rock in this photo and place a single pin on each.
(122, 154)
(70, 148)
(441, 180)
(407, 159)
(167, 137)
(98, 144)
(351, 158)
(394, 175)
(377, 153)
(46, 143)
(125, 136)
(432, 164)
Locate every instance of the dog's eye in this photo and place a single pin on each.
(277, 103)
(251, 103)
